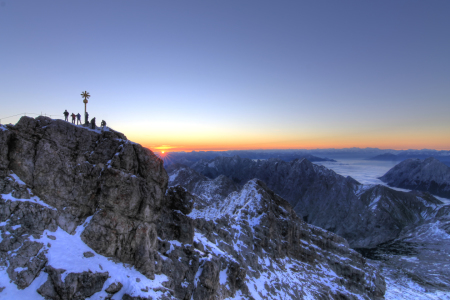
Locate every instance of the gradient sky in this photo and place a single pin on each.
(218, 75)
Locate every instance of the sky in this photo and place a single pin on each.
(221, 75)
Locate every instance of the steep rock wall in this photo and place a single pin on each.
(81, 172)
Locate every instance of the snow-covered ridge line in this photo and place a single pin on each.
(249, 214)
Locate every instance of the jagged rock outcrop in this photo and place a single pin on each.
(67, 191)
(281, 252)
(208, 190)
(429, 175)
(76, 286)
(5, 137)
(81, 172)
(365, 215)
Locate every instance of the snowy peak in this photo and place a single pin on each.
(253, 200)
(262, 232)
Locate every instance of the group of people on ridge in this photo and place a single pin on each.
(86, 119)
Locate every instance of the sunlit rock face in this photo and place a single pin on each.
(85, 213)
(428, 175)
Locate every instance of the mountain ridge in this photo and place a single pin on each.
(428, 175)
(324, 198)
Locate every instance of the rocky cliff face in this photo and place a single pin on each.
(365, 215)
(81, 172)
(428, 175)
(88, 214)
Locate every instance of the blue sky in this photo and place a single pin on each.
(222, 75)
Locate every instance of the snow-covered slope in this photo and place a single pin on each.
(429, 175)
(285, 258)
(31, 243)
(417, 264)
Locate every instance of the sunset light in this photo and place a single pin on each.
(254, 149)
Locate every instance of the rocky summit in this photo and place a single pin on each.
(88, 214)
(428, 175)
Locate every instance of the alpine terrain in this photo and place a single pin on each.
(406, 234)
(428, 175)
(89, 214)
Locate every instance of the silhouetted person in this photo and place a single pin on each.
(93, 123)
(86, 118)
(66, 115)
(73, 118)
(103, 124)
(78, 118)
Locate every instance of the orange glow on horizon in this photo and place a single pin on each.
(322, 140)
(284, 147)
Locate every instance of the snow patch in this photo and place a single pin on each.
(33, 199)
(77, 263)
(17, 179)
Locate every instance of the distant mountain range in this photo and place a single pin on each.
(313, 155)
(189, 158)
(442, 156)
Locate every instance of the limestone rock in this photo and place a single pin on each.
(26, 265)
(5, 139)
(74, 286)
(129, 240)
(114, 288)
(88, 254)
(208, 281)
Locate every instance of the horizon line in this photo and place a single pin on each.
(292, 149)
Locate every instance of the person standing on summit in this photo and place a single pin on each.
(73, 118)
(78, 118)
(66, 116)
(93, 123)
